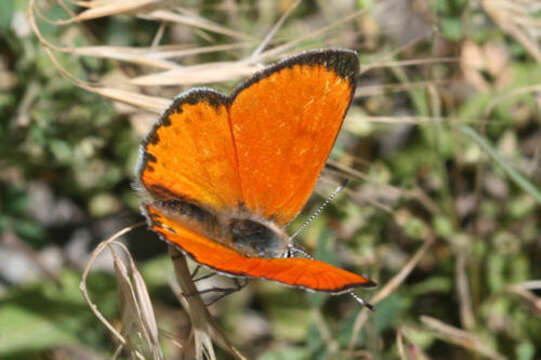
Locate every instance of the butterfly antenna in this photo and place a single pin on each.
(361, 301)
(316, 213)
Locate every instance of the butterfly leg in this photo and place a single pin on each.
(195, 271)
(202, 277)
(238, 285)
(291, 251)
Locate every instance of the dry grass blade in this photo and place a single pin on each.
(460, 337)
(409, 351)
(140, 101)
(413, 194)
(354, 195)
(291, 44)
(523, 182)
(531, 284)
(400, 346)
(412, 62)
(467, 317)
(275, 28)
(197, 22)
(155, 57)
(150, 103)
(403, 119)
(522, 290)
(147, 309)
(518, 20)
(101, 9)
(371, 90)
(99, 249)
(175, 51)
(516, 92)
(148, 57)
(197, 74)
(128, 308)
(138, 321)
(139, 56)
(391, 286)
(203, 324)
(399, 278)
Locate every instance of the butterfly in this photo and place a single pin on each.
(223, 175)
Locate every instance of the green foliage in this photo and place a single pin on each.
(44, 315)
(466, 179)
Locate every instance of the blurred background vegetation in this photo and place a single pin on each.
(442, 144)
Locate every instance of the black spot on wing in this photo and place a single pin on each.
(192, 96)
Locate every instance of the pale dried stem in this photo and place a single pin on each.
(391, 286)
(275, 28)
(372, 90)
(200, 317)
(400, 345)
(412, 62)
(117, 352)
(289, 45)
(326, 334)
(361, 201)
(522, 291)
(516, 92)
(149, 103)
(509, 16)
(460, 337)
(135, 305)
(531, 284)
(99, 249)
(196, 22)
(405, 119)
(463, 289)
(416, 194)
(406, 349)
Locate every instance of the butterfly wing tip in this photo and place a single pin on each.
(369, 284)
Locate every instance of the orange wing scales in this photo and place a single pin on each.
(298, 272)
(284, 127)
(190, 153)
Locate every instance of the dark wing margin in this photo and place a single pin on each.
(189, 153)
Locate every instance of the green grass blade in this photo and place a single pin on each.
(518, 178)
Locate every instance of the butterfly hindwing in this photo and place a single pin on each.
(299, 272)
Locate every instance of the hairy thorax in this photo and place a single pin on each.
(238, 229)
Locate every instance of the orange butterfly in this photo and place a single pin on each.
(223, 175)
